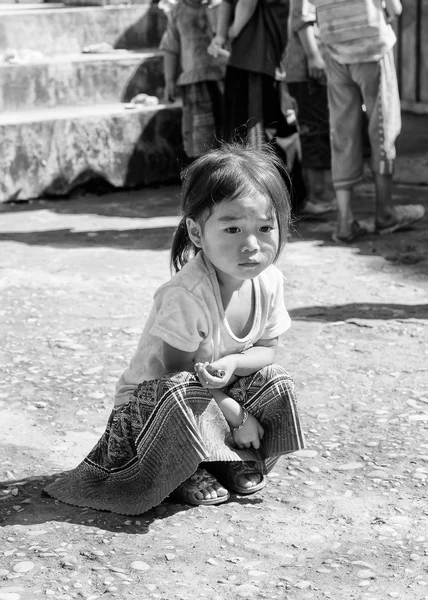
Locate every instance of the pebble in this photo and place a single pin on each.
(23, 567)
(366, 574)
(379, 474)
(139, 565)
(303, 585)
(246, 590)
(305, 453)
(349, 466)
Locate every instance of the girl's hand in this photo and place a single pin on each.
(251, 434)
(217, 374)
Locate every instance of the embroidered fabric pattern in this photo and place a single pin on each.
(157, 440)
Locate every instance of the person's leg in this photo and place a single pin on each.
(344, 98)
(384, 123)
(281, 131)
(236, 114)
(313, 119)
(383, 192)
(379, 87)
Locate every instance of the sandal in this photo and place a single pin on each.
(402, 217)
(200, 480)
(357, 231)
(228, 473)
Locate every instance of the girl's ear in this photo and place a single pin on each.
(194, 231)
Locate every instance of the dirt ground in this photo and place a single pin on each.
(347, 518)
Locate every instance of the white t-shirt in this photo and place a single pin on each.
(188, 314)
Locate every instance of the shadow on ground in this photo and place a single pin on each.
(32, 506)
(158, 238)
(368, 310)
(407, 248)
(152, 201)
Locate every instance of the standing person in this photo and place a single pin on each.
(197, 75)
(357, 43)
(202, 395)
(307, 84)
(256, 33)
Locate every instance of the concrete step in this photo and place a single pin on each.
(49, 152)
(66, 30)
(7, 6)
(80, 79)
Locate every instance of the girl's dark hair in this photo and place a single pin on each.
(229, 172)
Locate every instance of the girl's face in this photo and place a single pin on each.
(240, 238)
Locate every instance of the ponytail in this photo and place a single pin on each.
(182, 247)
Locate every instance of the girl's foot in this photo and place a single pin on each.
(240, 477)
(201, 488)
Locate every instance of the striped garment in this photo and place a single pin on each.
(156, 441)
(202, 121)
(354, 31)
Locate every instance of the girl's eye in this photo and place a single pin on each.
(232, 229)
(266, 228)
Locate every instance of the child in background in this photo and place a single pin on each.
(199, 76)
(202, 410)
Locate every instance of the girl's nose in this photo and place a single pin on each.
(250, 244)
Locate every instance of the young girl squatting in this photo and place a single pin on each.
(202, 411)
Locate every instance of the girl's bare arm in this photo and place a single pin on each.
(261, 355)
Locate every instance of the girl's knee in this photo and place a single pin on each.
(275, 371)
(179, 377)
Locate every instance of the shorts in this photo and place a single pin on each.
(373, 84)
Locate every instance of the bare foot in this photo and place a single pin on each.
(211, 492)
(249, 480)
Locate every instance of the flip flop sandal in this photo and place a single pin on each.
(404, 215)
(200, 480)
(228, 473)
(356, 232)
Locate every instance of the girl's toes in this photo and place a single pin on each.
(221, 491)
(200, 488)
(199, 495)
(249, 480)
